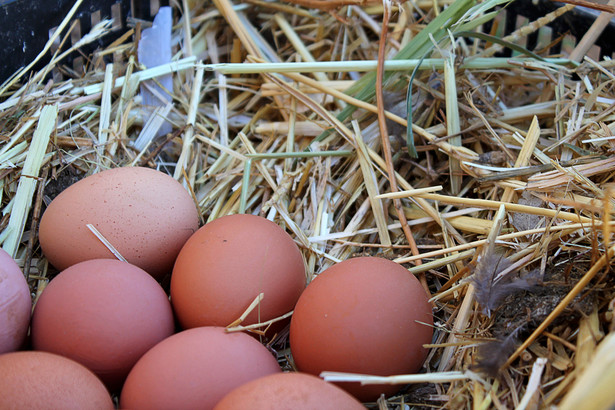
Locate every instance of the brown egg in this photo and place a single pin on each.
(104, 314)
(145, 214)
(227, 263)
(194, 369)
(15, 304)
(39, 380)
(285, 391)
(364, 315)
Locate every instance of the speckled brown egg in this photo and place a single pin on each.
(104, 314)
(227, 263)
(194, 369)
(285, 391)
(15, 304)
(145, 214)
(364, 315)
(40, 380)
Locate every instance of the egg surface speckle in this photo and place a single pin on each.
(145, 214)
(227, 263)
(364, 315)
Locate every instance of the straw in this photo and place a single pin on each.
(28, 179)
(106, 242)
(298, 112)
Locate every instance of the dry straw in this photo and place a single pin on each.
(297, 110)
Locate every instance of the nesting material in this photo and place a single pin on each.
(278, 109)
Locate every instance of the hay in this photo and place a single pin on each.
(289, 110)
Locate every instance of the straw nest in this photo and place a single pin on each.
(498, 199)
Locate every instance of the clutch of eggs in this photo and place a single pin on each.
(363, 315)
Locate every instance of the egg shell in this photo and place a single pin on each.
(284, 391)
(361, 316)
(15, 304)
(194, 369)
(104, 314)
(227, 263)
(40, 380)
(145, 214)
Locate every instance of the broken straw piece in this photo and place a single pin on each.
(105, 242)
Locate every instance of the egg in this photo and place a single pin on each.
(227, 263)
(40, 380)
(284, 391)
(144, 214)
(15, 304)
(194, 369)
(364, 315)
(104, 314)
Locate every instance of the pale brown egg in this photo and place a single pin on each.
(40, 380)
(227, 263)
(285, 391)
(364, 315)
(15, 304)
(104, 314)
(143, 213)
(194, 369)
